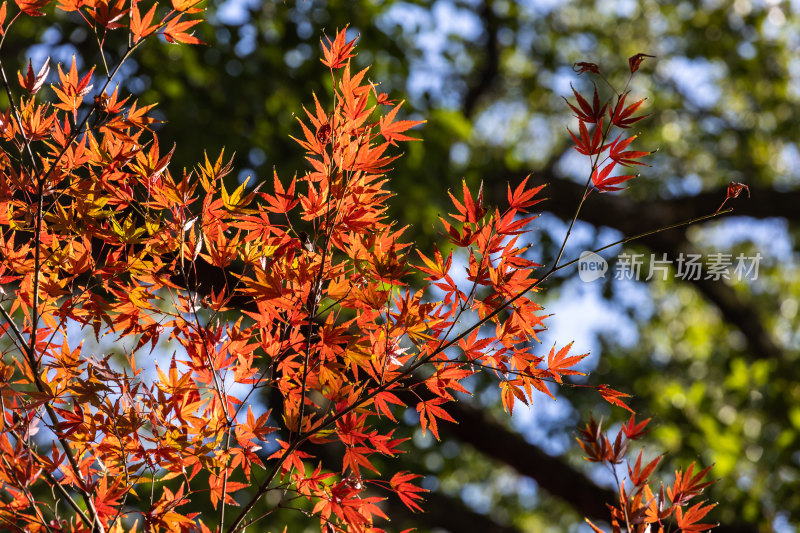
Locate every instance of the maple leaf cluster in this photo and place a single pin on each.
(640, 509)
(594, 131)
(310, 305)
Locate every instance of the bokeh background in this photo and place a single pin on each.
(713, 362)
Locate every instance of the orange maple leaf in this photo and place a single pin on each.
(142, 27)
(337, 52)
(559, 364)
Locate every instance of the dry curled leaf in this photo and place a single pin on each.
(734, 190)
(636, 60)
(581, 66)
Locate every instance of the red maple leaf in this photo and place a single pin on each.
(614, 397)
(409, 494)
(32, 7)
(588, 113)
(33, 82)
(687, 521)
(393, 131)
(604, 182)
(338, 51)
(428, 412)
(589, 145)
(559, 364)
(141, 27)
(621, 116)
(639, 475)
(618, 154)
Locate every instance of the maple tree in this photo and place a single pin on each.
(314, 305)
(495, 113)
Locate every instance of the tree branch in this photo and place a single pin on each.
(553, 474)
(443, 511)
(631, 217)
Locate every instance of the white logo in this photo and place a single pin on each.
(591, 266)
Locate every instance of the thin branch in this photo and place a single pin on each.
(53, 482)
